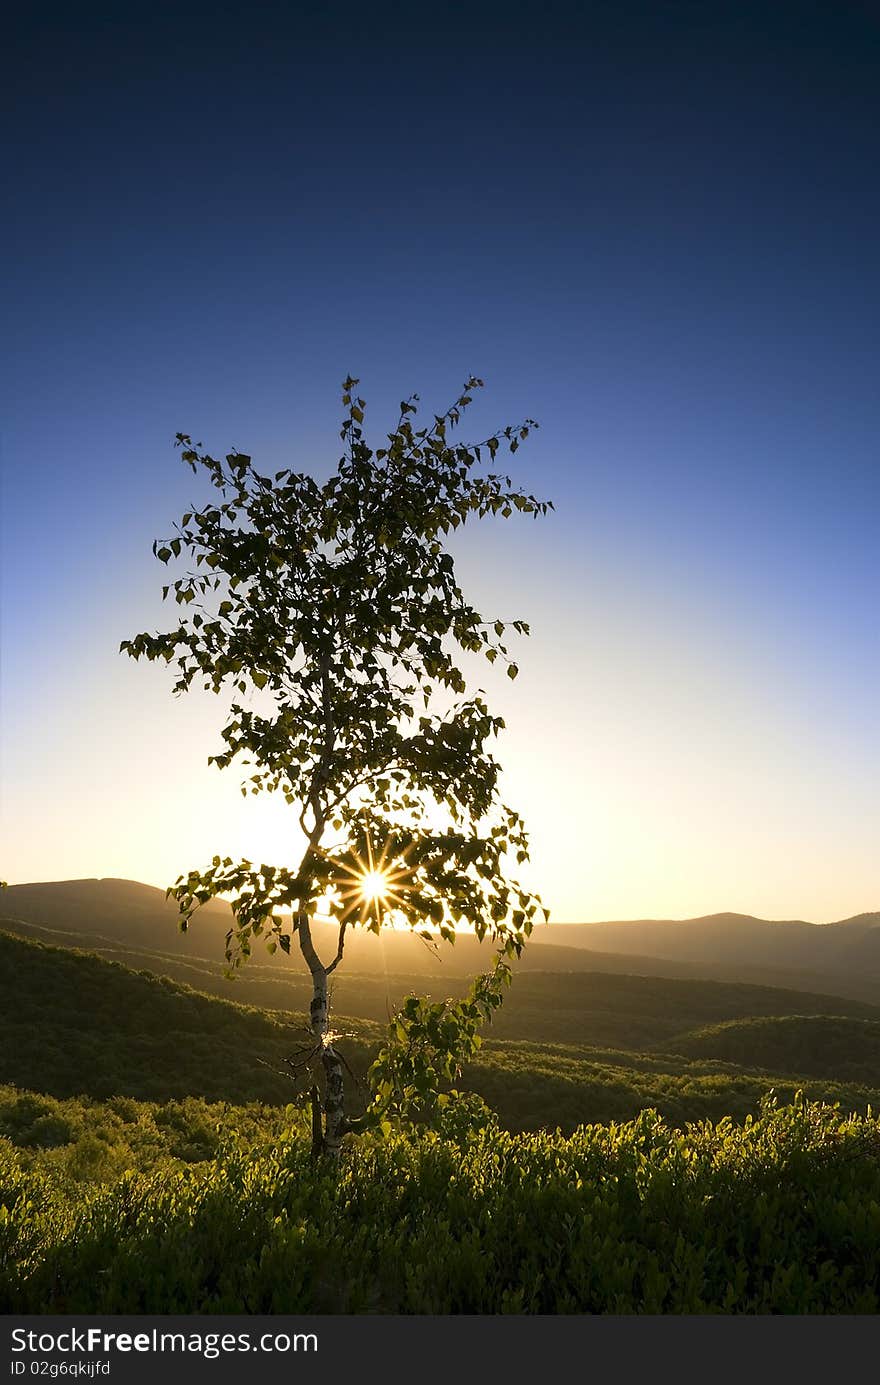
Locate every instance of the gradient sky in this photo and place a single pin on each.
(653, 227)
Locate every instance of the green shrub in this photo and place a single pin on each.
(30, 1120)
(780, 1214)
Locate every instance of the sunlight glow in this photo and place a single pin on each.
(372, 888)
(374, 885)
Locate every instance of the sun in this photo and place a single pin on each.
(374, 886)
(371, 888)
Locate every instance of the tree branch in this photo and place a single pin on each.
(340, 948)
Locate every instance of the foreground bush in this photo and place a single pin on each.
(778, 1215)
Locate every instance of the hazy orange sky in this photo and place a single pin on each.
(670, 758)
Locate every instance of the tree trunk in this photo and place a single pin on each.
(317, 1124)
(328, 1140)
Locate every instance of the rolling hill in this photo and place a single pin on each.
(845, 948)
(133, 922)
(842, 1048)
(74, 1025)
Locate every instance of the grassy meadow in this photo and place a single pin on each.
(637, 1144)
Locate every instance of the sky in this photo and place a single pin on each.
(652, 227)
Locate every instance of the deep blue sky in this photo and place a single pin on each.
(653, 227)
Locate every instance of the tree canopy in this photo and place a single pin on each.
(332, 616)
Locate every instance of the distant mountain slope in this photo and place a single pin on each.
(127, 914)
(124, 914)
(848, 947)
(121, 911)
(121, 918)
(72, 1024)
(572, 1007)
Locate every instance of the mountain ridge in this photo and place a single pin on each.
(841, 957)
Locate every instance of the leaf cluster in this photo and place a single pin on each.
(334, 616)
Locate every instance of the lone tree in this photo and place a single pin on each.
(333, 616)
